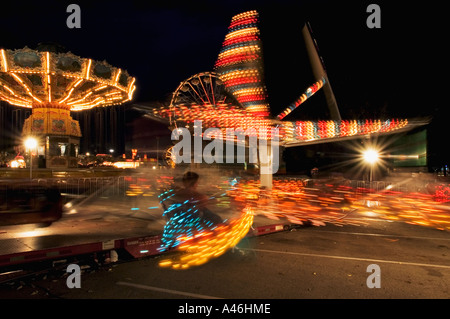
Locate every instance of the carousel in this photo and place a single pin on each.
(52, 85)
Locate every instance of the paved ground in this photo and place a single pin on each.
(311, 262)
(290, 271)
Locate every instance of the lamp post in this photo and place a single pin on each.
(31, 144)
(371, 156)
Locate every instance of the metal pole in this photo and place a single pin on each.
(157, 152)
(31, 164)
(265, 169)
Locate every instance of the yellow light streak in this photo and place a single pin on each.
(131, 89)
(25, 86)
(117, 76)
(88, 69)
(71, 90)
(82, 99)
(232, 52)
(101, 87)
(49, 86)
(200, 248)
(5, 63)
(242, 32)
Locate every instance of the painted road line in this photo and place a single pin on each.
(168, 291)
(350, 258)
(381, 235)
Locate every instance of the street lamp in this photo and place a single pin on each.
(371, 156)
(31, 144)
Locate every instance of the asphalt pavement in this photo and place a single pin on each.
(380, 260)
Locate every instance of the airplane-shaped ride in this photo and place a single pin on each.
(234, 95)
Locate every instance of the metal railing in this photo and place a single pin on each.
(72, 186)
(361, 186)
(119, 185)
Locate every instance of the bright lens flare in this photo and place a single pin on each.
(371, 156)
(30, 143)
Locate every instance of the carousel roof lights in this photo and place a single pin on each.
(49, 86)
(116, 79)
(131, 89)
(88, 69)
(5, 64)
(26, 87)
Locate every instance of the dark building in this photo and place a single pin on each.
(102, 128)
(149, 137)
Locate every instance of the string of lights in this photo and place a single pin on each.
(306, 95)
(228, 116)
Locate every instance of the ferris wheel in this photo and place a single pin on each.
(202, 93)
(198, 93)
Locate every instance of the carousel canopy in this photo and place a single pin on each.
(30, 78)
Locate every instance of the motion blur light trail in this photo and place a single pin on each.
(332, 203)
(294, 201)
(193, 242)
(409, 207)
(200, 248)
(194, 239)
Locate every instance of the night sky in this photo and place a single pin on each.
(396, 70)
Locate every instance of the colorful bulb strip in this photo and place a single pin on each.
(227, 116)
(306, 95)
(240, 63)
(308, 130)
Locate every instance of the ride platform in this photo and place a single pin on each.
(137, 233)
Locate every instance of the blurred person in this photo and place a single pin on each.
(186, 212)
(189, 193)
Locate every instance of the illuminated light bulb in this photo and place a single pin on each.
(371, 156)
